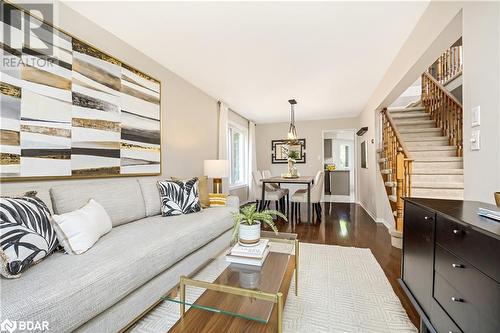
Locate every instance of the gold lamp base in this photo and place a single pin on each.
(497, 198)
(217, 186)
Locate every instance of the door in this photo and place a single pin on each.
(339, 151)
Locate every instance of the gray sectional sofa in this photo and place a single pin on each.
(127, 270)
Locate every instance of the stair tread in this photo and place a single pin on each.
(406, 109)
(415, 122)
(439, 171)
(420, 130)
(393, 198)
(408, 116)
(390, 184)
(436, 185)
(458, 196)
(426, 138)
(439, 159)
(432, 148)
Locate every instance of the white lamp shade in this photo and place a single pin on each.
(216, 168)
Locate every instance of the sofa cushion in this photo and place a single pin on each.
(122, 261)
(19, 189)
(151, 195)
(78, 230)
(122, 199)
(179, 197)
(26, 235)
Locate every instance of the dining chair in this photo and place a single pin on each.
(300, 196)
(270, 194)
(274, 186)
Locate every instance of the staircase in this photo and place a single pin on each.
(421, 153)
(437, 170)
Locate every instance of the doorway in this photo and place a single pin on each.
(339, 154)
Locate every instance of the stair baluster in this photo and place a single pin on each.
(399, 162)
(444, 109)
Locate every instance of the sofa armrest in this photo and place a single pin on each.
(233, 202)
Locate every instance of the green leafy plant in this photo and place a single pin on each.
(293, 155)
(249, 215)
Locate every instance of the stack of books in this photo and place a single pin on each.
(492, 214)
(246, 255)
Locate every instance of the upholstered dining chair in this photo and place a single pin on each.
(271, 194)
(275, 186)
(300, 196)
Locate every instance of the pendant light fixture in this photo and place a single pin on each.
(292, 131)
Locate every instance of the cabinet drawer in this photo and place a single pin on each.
(441, 321)
(477, 288)
(480, 250)
(464, 313)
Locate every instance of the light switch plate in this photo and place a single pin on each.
(475, 140)
(476, 116)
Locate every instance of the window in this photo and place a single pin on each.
(237, 142)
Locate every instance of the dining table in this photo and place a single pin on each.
(302, 180)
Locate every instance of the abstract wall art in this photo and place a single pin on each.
(73, 111)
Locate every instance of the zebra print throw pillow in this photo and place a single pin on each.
(179, 197)
(26, 235)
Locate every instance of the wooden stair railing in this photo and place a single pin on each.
(444, 109)
(448, 66)
(399, 162)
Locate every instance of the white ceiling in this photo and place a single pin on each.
(330, 56)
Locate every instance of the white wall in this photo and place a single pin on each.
(189, 116)
(441, 25)
(481, 87)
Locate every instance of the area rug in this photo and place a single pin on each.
(342, 289)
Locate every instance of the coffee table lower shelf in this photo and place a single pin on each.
(201, 318)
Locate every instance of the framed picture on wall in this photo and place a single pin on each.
(281, 148)
(364, 155)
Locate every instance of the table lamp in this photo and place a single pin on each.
(216, 169)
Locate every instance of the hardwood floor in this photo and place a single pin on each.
(349, 225)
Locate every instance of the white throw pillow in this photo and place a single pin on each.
(78, 230)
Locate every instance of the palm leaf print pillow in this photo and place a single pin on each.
(179, 197)
(26, 235)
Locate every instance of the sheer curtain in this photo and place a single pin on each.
(252, 160)
(223, 143)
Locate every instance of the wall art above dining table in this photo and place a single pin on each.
(73, 111)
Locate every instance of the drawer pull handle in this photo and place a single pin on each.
(428, 218)
(457, 266)
(457, 299)
(457, 231)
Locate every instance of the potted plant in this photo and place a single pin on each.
(247, 224)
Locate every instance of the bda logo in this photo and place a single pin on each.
(8, 325)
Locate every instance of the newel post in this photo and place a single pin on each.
(400, 174)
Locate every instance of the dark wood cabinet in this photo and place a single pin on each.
(418, 258)
(451, 265)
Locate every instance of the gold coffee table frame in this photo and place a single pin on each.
(276, 298)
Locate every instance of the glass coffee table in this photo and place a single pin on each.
(242, 297)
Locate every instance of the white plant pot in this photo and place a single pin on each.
(249, 235)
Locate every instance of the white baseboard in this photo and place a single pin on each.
(377, 219)
(387, 224)
(367, 211)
